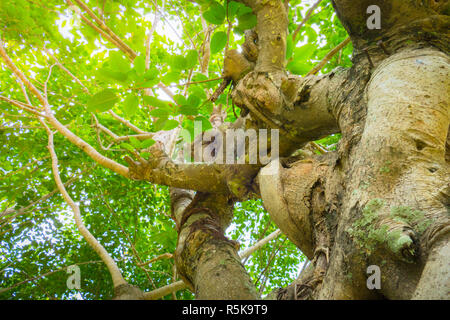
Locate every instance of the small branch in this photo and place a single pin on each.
(166, 255)
(67, 71)
(328, 57)
(307, 16)
(181, 84)
(122, 45)
(90, 239)
(248, 252)
(126, 123)
(319, 147)
(23, 106)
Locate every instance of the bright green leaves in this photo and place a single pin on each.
(131, 104)
(139, 65)
(215, 14)
(300, 57)
(191, 59)
(218, 41)
(246, 21)
(237, 9)
(102, 101)
(136, 144)
(246, 18)
(183, 62)
(156, 103)
(119, 62)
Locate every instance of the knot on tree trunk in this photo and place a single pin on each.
(128, 292)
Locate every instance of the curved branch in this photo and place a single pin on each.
(90, 239)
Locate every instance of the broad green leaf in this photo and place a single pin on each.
(127, 146)
(289, 47)
(102, 101)
(139, 65)
(158, 113)
(155, 102)
(146, 155)
(206, 125)
(188, 110)
(178, 62)
(193, 100)
(191, 59)
(135, 142)
(215, 14)
(171, 77)
(299, 67)
(304, 52)
(151, 74)
(247, 21)
(160, 123)
(170, 124)
(197, 91)
(117, 61)
(180, 99)
(131, 105)
(218, 41)
(147, 143)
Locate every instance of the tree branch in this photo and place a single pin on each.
(90, 239)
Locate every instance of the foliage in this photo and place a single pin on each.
(123, 215)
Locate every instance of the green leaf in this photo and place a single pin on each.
(218, 41)
(170, 124)
(171, 77)
(233, 8)
(188, 110)
(247, 21)
(159, 124)
(151, 74)
(118, 62)
(146, 155)
(304, 52)
(191, 59)
(131, 105)
(289, 46)
(147, 143)
(155, 102)
(135, 142)
(106, 73)
(102, 101)
(197, 91)
(158, 113)
(178, 62)
(299, 67)
(127, 146)
(215, 14)
(180, 99)
(193, 100)
(139, 65)
(206, 125)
